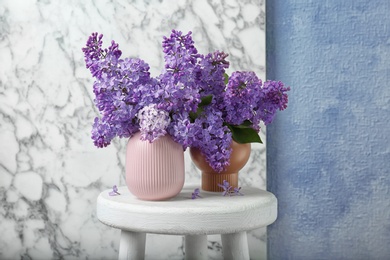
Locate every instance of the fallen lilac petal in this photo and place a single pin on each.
(237, 191)
(226, 187)
(196, 193)
(114, 191)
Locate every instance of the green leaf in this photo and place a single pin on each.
(193, 116)
(243, 135)
(245, 124)
(226, 78)
(206, 100)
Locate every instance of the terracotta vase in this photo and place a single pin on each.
(154, 171)
(210, 179)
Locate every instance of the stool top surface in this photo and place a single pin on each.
(181, 215)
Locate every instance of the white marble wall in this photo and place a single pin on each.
(50, 172)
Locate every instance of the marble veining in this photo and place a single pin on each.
(50, 172)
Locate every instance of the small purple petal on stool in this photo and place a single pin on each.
(227, 189)
(195, 194)
(114, 191)
(237, 191)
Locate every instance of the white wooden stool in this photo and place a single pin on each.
(231, 217)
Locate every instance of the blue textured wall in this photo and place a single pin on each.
(328, 154)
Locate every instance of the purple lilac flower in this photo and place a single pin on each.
(181, 92)
(241, 98)
(153, 122)
(246, 98)
(102, 133)
(226, 188)
(237, 191)
(126, 94)
(119, 95)
(274, 97)
(211, 76)
(209, 134)
(122, 88)
(179, 129)
(96, 58)
(229, 190)
(196, 194)
(179, 51)
(114, 191)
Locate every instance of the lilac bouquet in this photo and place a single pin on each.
(193, 99)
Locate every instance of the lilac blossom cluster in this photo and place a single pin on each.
(153, 122)
(122, 87)
(193, 99)
(261, 101)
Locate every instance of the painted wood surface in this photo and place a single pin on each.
(211, 214)
(230, 216)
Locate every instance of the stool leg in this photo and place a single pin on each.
(132, 245)
(235, 246)
(196, 247)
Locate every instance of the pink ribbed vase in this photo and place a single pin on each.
(154, 171)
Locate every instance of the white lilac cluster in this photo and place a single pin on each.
(152, 122)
